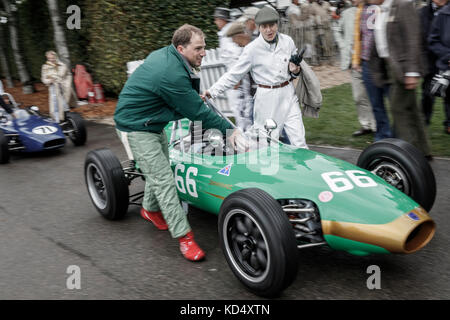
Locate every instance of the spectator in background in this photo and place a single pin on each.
(363, 44)
(293, 12)
(306, 10)
(249, 19)
(438, 53)
(244, 110)
(229, 53)
(58, 78)
(252, 29)
(344, 38)
(321, 9)
(238, 33)
(396, 59)
(308, 28)
(228, 49)
(322, 13)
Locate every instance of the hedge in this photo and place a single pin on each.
(123, 31)
(112, 33)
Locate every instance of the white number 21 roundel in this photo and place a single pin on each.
(343, 181)
(44, 130)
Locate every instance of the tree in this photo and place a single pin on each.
(4, 61)
(21, 68)
(58, 33)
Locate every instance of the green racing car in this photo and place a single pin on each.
(272, 199)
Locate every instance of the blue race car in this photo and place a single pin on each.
(26, 130)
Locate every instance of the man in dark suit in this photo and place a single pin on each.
(427, 14)
(439, 44)
(396, 59)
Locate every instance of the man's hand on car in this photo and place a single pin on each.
(205, 95)
(238, 141)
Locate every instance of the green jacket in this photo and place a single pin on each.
(161, 90)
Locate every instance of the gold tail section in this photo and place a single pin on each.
(406, 234)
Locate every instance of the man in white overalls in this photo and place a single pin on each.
(267, 59)
(229, 54)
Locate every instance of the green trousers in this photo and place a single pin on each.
(151, 153)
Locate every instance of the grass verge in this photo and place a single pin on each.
(338, 120)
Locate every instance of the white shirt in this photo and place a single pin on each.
(380, 28)
(267, 63)
(382, 18)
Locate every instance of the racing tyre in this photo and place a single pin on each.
(4, 149)
(76, 123)
(258, 241)
(106, 183)
(402, 165)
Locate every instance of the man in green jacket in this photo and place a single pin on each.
(163, 89)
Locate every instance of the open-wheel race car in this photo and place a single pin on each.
(272, 199)
(27, 130)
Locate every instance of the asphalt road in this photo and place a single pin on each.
(48, 223)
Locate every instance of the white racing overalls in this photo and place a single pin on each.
(268, 65)
(241, 102)
(239, 98)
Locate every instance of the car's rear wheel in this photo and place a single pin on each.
(77, 128)
(258, 241)
(402, 165)
(106, 184)
(4, 149)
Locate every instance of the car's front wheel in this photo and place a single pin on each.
(106, 184)
(402, 165)
(258, 241)
(4, 149)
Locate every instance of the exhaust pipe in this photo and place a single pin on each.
(419, 237)
(407, 234)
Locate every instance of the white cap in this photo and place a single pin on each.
(250, 12)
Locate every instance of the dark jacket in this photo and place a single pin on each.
(426, 14)
(439, 38)
(161, 90)
(404, 43)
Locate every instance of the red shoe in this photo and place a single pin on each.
(190, 249)
(156, 218)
